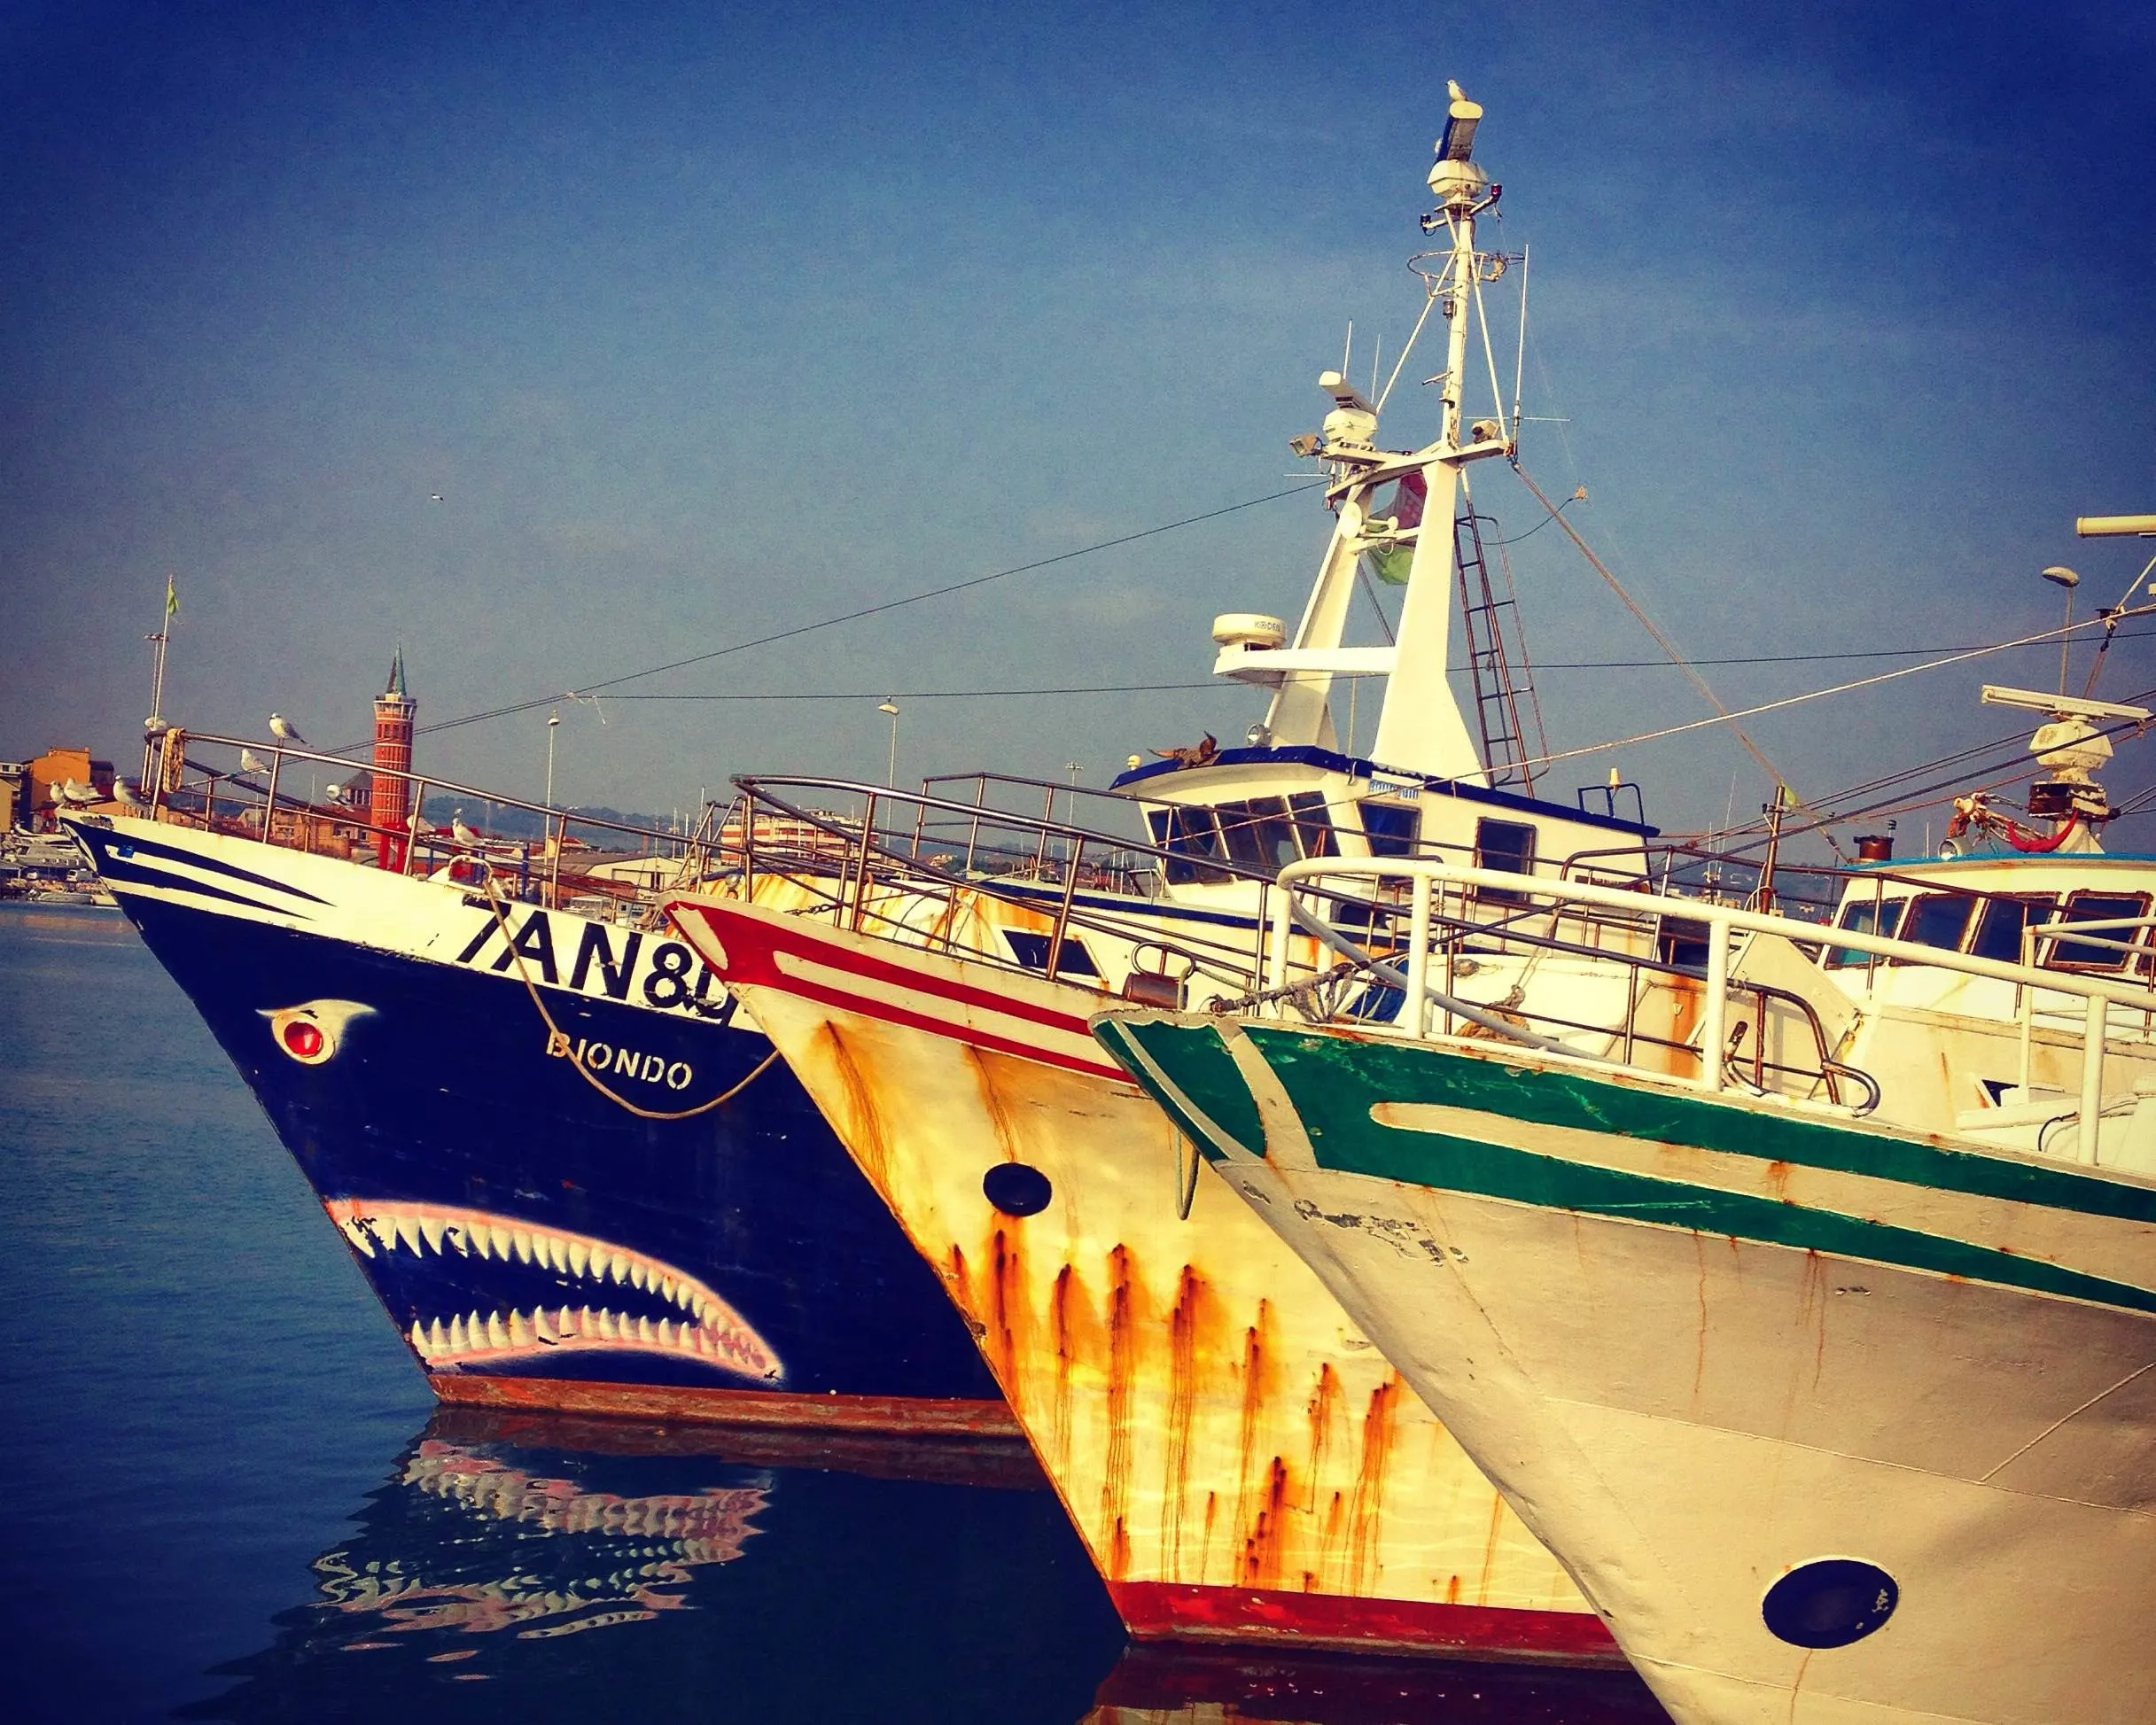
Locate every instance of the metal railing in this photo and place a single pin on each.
(1427, 881)
(264, 810)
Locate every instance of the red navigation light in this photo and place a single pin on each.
(303, 1038)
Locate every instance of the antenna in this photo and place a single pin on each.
(1347, 353)
(1519, 364)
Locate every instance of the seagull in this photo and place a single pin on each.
(79, 794)
(285, 730)
(461, 833)
(335, 793)
(156, 725)
(125, 795)
(251, 762)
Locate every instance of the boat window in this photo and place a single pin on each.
(1031, 950)
(1937, 919)
(1257, 832)
(1999, 930)
(2092, 954)
(1503, 844)
(1188, 832)
(1312, 825)
(1390, 827)
(1857, 916)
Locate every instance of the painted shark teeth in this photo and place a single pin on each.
(698, 1325)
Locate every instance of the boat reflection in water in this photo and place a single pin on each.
(597, 1569)
(591, 1569)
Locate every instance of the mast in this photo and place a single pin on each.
(1421, 728)
(154, 726)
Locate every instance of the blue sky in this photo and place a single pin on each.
(704, 323)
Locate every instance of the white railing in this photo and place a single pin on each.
(1429, 879)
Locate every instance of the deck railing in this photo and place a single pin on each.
(2095, 1003)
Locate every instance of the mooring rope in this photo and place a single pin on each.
(561, 1038)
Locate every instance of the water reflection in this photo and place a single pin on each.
(586, 1568)
(587, 1558)
(1169, 1686)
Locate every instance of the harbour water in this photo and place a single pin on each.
(230, 1496)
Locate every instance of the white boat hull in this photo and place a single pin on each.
(1690, 1414)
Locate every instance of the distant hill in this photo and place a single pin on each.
(523, 823)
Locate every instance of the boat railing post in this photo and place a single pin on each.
(2092, 1078)
(1063, 910)
(1715, 1020)
(410, 840)
(973, 834)
(269, 807)
(1278, 929)
(860, 884)
(1418, 953)
(2024, 1010)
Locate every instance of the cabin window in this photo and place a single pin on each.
(2096, 907)
(1259, 834)
(1312, 825)
(1937, 919)
(1031, 950)
(1390, 827)
(1999, 930)
(1506, 845)
(1858, 916)
(1188, 832)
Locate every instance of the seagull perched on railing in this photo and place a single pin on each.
(461, 833)
(285, 731)
(335, 793)
(79, 795)
(251, 762)
(124, 796)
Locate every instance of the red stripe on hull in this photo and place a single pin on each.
(906, 1416)
(1173, 1610)
(754, 946)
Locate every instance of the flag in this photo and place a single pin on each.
(172, 598)
(1391, 562)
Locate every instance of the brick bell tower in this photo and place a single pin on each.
(389, 803)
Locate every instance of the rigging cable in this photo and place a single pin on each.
(1725, 716)
(856, 615)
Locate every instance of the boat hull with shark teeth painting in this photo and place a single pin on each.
(433, 1058)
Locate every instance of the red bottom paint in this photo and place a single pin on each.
(1170, 1611)
(900, 1415)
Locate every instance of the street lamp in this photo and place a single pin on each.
(890, 775)
(554, 720)
(2058, 575)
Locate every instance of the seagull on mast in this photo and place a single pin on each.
(285, 730)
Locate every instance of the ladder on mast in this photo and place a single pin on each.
(1489, 620)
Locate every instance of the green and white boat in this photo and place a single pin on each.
(1834, 1415)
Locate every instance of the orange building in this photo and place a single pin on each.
(60, 767)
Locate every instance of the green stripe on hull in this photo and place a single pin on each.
(1333, 1082)
(1426, 1073)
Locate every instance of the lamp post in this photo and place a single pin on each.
(2058, 575)
(891, 772)
(554, 721)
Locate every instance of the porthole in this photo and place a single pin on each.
(1830, 1603)
(1017, 1189)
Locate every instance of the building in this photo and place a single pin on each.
(390, 797)
(60, 766)
(14, 795)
